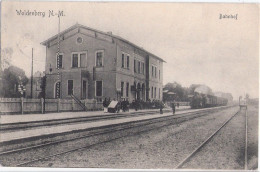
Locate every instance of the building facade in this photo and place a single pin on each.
(91, 64)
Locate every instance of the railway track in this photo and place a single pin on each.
(151, 124)
(196, 150)
(35, 124)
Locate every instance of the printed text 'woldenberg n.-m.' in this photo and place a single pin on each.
(35, 13)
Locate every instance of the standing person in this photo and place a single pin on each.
(127, 105)
(173, 107)
(135, 104)
(178, 104)
(161, 107)
(105, 105)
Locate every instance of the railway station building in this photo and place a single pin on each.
(92, 64)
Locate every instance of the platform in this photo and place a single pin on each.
(50, 130)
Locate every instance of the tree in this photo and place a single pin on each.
(181, 92)
(12, 77)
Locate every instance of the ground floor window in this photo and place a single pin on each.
(99, 86)
(84, 89)
(122, 89)
(127, 89)
(70, 87)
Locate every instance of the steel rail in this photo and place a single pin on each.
(246, 167)
(183, 115)
(150, 121)
(204, 143)
(73, 120)
(97, 133)
(109, 140)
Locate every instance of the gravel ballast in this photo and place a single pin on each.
(161, 148)
(225, 150)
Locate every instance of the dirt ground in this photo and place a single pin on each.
(163, 148)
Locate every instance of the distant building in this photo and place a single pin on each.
(95, 65)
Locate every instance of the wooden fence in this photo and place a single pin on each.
(23, 105)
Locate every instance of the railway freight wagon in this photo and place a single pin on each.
(205, 100)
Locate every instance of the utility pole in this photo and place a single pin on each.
(59, 91)
(32, 77)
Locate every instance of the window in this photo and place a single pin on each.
(70, 87)
(127, 89)
(155, 92)
(75, 60)
(59, 61)
(79, 40)
(143, 68)
(159, 93)
(152, 71)
(155, 72)
(152, 92)
(122, 89)
(83, 59)
(99, 58)
(79, 60)
(99, 86)
(123, 60)
(127, 62)
(159, 74)
(139, 67)
(135, 66)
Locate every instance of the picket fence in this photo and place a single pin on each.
(24, 105)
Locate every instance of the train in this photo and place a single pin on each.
(200, 100)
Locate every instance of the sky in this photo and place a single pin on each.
(198, 47)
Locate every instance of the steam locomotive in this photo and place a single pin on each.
(200, 100)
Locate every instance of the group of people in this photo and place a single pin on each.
(124, 105)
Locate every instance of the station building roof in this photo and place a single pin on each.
(101, 32)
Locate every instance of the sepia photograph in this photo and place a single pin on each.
(129, 85)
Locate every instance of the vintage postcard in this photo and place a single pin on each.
(129, 85)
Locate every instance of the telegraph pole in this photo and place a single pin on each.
(32, 77)
(59, 91)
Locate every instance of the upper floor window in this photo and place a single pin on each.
(135, 66)
(123, 60)
(139, 66)
(127, 62)
(79, 60)
(75, 60)
(155, 72)
(99, 58)
(142, 67)
(59, 61)
(159, 74)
